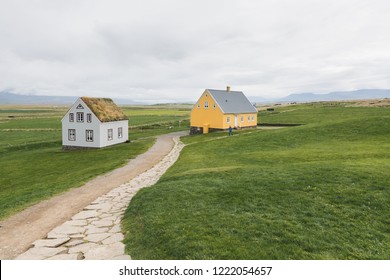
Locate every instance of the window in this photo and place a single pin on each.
(71, 117)
(89, 118)
(198, 105)
(253, 118)
(214, 106)
(89, 135)
(72, 134)
(227, 119)
(249, 118)
(80, 117)
(120, 132)
(80, 107)
(109, 134)
(206, 104)
(242, 119)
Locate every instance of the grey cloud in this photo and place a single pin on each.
(172, 49)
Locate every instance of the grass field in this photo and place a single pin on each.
(316, 191)
(34, 167)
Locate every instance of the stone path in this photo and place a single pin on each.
(95, 232)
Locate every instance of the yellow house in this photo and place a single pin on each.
(220, 109)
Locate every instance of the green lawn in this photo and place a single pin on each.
(316, 191)
(34, 167)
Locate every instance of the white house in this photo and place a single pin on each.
(94, 123)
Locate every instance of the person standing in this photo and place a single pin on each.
(230, 131)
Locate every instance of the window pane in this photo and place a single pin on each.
(72, 135)
(89, 135)
(80, 117)
(110, 135)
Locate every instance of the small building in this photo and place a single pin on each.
(220, 109)
(94, 123)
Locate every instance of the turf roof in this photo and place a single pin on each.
(105, 109)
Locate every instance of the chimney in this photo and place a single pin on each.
(228, 88)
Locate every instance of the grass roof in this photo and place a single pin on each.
(105, 109)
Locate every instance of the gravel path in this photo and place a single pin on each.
(84, 223)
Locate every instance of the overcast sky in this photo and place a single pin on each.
(171, 50)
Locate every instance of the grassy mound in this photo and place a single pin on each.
(317, 191)
(34, 167)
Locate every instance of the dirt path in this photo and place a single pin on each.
(19, 231)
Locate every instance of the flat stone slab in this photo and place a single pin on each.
(85, 215)
(77, 236)
(106, 252)
(92, 230)
(56, 235)
(40, 253)
(103, 223)
(82, 248)
(115, 229)
(97, 237)
(52, 243)
(74, 243)
(65, 229)
(101, 207)
(117, 237)
(76, 223)
(72, 257)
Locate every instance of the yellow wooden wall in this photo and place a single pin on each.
(200, 116)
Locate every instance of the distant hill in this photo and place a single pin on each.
(338, 95)
(11, 98)
(19, 99)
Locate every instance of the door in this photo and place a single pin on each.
(235, 120)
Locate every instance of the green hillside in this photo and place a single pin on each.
(316, 191)
(34, 167)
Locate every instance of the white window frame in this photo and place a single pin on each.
(80, 117)
(253, 118)
(242, 118)
(71, 117)
(206, 104)
(120, 132)
(249, 118)
(72, 134)
(89, 135)
(110, 134)
(228, 119)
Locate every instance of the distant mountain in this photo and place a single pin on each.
(338, 95)
(19, 99)
(257, 99)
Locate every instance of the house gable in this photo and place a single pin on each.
(206, 112)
